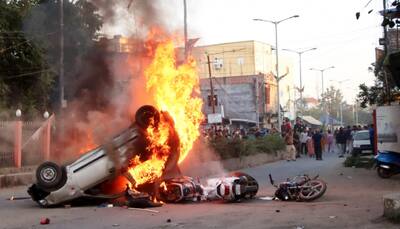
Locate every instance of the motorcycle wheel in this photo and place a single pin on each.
(384, 173)
(314, 189)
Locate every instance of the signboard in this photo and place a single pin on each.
(388, 128)
(214, 118)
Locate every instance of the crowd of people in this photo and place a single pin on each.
(300, 139)
(313, 142)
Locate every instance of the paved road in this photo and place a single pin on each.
(353, 200)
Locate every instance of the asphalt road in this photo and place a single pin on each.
(353, 200)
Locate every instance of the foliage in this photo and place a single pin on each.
(333, 98)
(359, 162)
(233, 148)
(384, 90)
(29, 34)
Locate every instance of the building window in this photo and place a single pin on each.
(218, 63)
(267, 95)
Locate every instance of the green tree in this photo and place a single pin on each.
(29, 49)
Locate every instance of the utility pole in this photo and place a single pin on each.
(211, 84)
(61, 76)
(301, 88)
(185, 28)
(277, 77)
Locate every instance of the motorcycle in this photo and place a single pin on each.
(387, 164)
(299, 188)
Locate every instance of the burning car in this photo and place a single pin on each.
(59, 184)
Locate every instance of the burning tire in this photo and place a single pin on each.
(50, 176)
(145, 115)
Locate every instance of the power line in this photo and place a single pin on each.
(26, 74)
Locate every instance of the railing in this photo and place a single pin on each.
(24, 143)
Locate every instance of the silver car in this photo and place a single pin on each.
(57, 184)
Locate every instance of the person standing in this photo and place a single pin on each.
(317, 138)
(371, 132)
(303, 142)
(290, 149)
(348, 139)
(341, 142)
(310, 145)
(330, 141)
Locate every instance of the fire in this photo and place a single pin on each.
(174, 89)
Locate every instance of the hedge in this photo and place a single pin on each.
(233, 148)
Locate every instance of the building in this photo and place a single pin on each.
(243, 81)
(310, 103)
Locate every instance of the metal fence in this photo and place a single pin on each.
(31, 143)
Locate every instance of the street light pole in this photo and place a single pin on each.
(301, 88)
(341, 102)
(277, 77)
(322, 89)
(322, 76)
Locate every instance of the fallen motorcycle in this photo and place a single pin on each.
(299, 188)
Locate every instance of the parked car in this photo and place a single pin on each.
(361, 143)
(57, 184)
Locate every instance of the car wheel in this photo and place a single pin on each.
(147, 115)
(50, 176)
(384, 173)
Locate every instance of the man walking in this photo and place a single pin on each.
(290, 149)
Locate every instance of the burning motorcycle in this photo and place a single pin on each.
(299, 188)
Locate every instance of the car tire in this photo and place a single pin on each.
(145, 115)
(50, 176)
(384, 173)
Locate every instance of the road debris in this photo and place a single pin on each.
(143, 209)
(299, 227)
(277, 211)
(18, 198)
(115, 225)
(332, 217)
(169, 220)
(266, 198)
(67, 206)
(44, 221)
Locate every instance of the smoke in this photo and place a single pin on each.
(202, 161)
(104, 87)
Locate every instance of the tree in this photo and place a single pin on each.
(29, 56)
(82, 21)
(23, 83)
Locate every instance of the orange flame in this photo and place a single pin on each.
(173, 88)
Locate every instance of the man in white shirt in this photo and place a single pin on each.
(303, 141)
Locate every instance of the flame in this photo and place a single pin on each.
(173, 88)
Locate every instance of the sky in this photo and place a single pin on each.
(330, 26)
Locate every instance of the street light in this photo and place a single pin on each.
(322, 75)
(277, 77)
(301, 89)
(322, 82)
(341, 103)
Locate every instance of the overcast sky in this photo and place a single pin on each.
(330, 26)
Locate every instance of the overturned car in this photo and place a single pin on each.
(57, 184)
